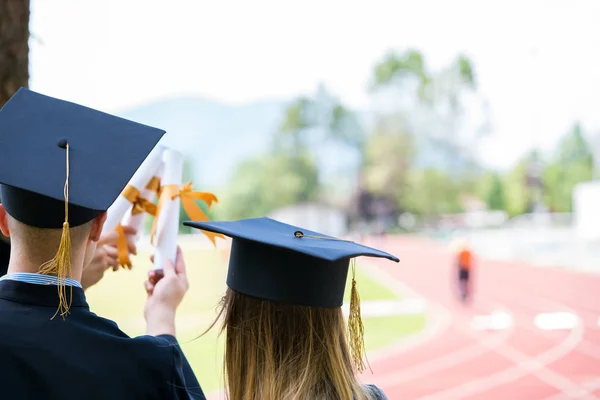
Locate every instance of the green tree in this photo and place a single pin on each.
(398, 68)
(517, 194)
(491, 190)
(388, 157)
(324, 117)
(262, 184)
(432, 192)
(439, 110)
(292, 134)
(573, 163)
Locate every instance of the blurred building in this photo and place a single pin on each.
(586, 210)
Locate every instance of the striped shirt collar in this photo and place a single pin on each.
(38, 279)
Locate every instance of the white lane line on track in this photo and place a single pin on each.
(590, 386)
(442, 362)
(585, 347)
(524, 365)
(590, 349)
(530, 365)
(533, 364)
(527, 365)
(437, 320)
(554, 321)
(496, 321)
(385, 308)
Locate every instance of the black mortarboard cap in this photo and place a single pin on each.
(275, 261)
(104, 153)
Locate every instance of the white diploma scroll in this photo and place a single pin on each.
(140, 179)
(137, 221)
(167, 224)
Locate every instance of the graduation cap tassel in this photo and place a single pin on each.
(60, 265)
(355, 326)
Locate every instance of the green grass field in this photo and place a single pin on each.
(120, 296)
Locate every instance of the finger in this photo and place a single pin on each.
(111, 262)
(152, 258)
(154, 274)
(131, 247)
(149, 288)
(100, 252)
(129, 230)
(111, 251)
(108, 238)
(154, 277)
(158, 274)
(180, 268)
(169, 268)
(179, 262)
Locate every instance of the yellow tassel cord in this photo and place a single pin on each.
(356, 331)
(60, 265)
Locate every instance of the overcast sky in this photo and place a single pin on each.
(537, 62)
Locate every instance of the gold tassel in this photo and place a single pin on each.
(60, 265)
(356, 330)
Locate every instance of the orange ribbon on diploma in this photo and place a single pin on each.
(139, 205)
(154, 185)
(122, 248)
(193, 211)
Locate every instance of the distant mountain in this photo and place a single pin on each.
(217, 136)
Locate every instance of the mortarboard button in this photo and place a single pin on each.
(269, 262)
(49, 181)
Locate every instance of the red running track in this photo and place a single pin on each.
(519, 362)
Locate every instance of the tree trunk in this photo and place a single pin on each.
(14, 47)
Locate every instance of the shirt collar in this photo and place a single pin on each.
(39, 295)
(39, 279)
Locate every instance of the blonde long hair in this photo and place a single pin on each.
(279, 351)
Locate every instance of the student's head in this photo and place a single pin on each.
(460, 243)
(285, 332)
(38, 245)
(61, 167)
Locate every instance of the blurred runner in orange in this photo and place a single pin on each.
(464, 265)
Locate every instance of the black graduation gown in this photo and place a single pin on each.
(4, 256)
(84, 356)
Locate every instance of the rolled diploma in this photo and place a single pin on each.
(167, 225)
(137, 221)
(140, 179)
